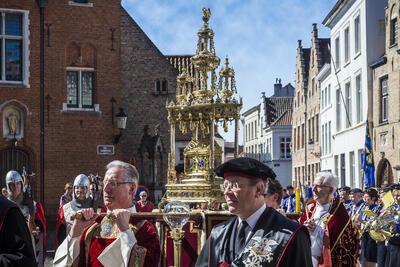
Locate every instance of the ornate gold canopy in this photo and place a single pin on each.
(202, 102)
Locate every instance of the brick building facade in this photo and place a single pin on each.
(97, 60)
(306, 106)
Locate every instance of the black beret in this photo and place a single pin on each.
(355, 190)
(345, 189)
(246, 166)
(289, 187)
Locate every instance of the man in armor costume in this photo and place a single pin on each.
(31, 210)
(258, 235)
(80, 200)
(333, 241)
(115, 239)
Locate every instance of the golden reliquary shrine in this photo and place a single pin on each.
(193, 199)
(203, 101)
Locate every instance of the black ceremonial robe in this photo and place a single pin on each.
(274, 241)
(16, 248)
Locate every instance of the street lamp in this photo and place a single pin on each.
(121, 124)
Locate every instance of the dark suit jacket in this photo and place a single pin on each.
(274, 241)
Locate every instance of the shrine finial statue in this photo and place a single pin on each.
(206, 14)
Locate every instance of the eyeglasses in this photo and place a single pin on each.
(231, 186)
(113, 183)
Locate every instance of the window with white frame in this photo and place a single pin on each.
(352, 168)
(329, 94)
(357, 35)
(80, 87)
(323, 140)
(337, 52)
(285, 152)
(329, 137)
(338, 111)
(359, 101)
(360, 171)
(13, 59)
(348, 104)
(322, 98)
(384, 99)
(347, 45)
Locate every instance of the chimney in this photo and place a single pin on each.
(277, 87)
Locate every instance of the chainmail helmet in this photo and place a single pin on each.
(13, 177)
(82, 181)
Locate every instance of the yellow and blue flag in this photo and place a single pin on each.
(367, 161)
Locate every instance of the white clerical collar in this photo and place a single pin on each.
(253, 218)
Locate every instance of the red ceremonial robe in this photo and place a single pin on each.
(149, 207)
(340, 244)
(92, 244)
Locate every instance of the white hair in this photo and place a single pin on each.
(131, 174)
(328, 179)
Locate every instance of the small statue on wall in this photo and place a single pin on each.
(13, 127)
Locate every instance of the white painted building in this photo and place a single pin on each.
(267, 130)
(357, 38)
(327, 115)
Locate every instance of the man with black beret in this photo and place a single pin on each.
(257, 235)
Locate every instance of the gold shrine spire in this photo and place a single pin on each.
(200, 105)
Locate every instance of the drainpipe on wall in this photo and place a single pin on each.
(42, 6)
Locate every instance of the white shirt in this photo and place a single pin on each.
(318, 234)
(116, 254)
(252, 220)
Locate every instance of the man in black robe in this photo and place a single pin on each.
(16, 247)
(258, 235)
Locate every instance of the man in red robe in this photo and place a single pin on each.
(333, 237)
(114, 239)
(144, 204)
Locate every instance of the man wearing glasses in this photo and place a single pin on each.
(333, 239)
(258, 235)
(115, 239)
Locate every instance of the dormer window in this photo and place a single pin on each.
(81, 1)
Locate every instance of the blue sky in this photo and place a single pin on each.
(259, 36)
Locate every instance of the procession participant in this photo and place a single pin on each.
(115, 239)
(332, 235)
(80, 200)
(344, 194)
(368, 245)
(356, 197)
(67, 196)
(273, 194)
(16, 247)
(31, 210)
(257, 235)
(290, 203)
(393, 247)
(144, 205)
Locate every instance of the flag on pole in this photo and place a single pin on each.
(367, 162)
